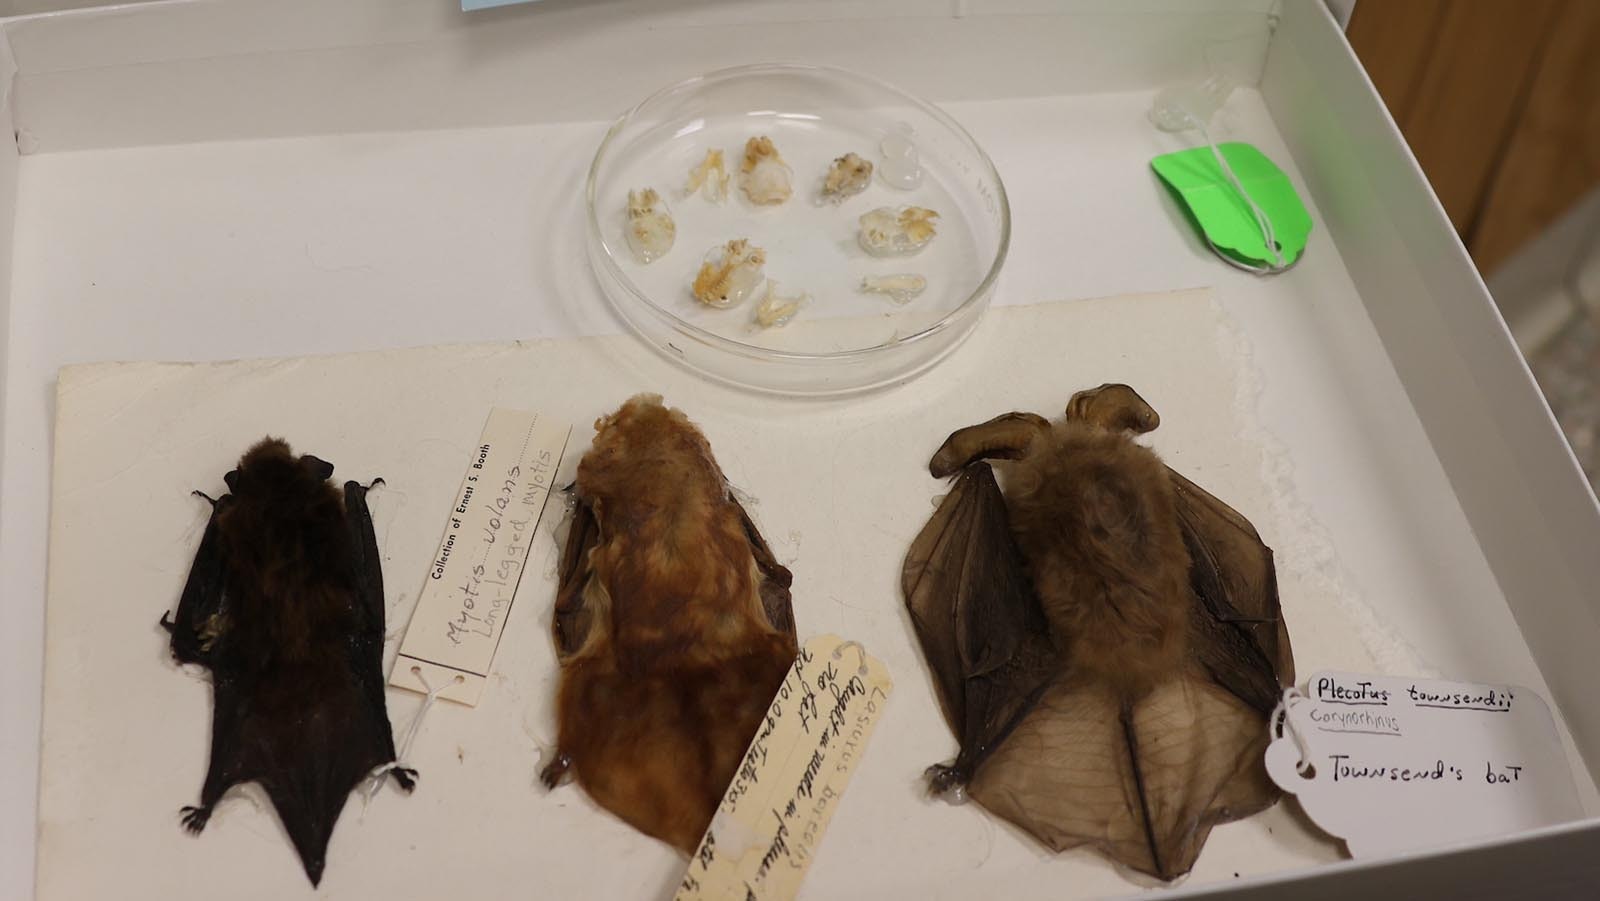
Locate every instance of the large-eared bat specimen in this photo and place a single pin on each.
(284, 605)
(1104, 636)
(672, 623)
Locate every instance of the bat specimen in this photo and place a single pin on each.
(284, 605)
(672, 623)
(1104, 636)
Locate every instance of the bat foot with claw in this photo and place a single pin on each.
(194, 818)
(406, 777)
(201, 494)
(947, 781)
(556, 773)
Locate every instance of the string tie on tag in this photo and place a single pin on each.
(1264, 223)
(1190, 109)
(861, 668)
(381, 773)
(1281, 727)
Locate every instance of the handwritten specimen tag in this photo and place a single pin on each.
(1392, 764)
(473, 577)
(765, 834)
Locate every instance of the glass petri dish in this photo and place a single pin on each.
(844, 339)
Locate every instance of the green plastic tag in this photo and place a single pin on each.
(1224, 217)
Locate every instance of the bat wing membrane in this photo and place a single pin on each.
(192, 625)
(1243, 641)
(574, 614)
(976, 616)
(776, 600)
(1143, 783)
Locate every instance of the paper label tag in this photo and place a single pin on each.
(476, 568)
(765, 834)
(1392, 764)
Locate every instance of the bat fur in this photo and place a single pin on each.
(673, 626)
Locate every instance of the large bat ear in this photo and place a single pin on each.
(1005, 437)
(322, 469)
(1114, 407)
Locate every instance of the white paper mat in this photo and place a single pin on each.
(840, 488)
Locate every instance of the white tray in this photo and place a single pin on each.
(207, 180)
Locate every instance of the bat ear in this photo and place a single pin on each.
(232, 480)
(1114, 407)
(318, 467)
(1006, 437)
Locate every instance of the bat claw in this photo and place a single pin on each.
(376, 481)
(406, 777)
(166, 621)
(556, 773)
(194, 818)
(208, 498)
(946, 780)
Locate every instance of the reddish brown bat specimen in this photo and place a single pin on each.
(672, 623)
(284, 605)
(1104, 636)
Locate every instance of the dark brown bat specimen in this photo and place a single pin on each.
(672, 623)
(284, 605)
(1104, 636)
